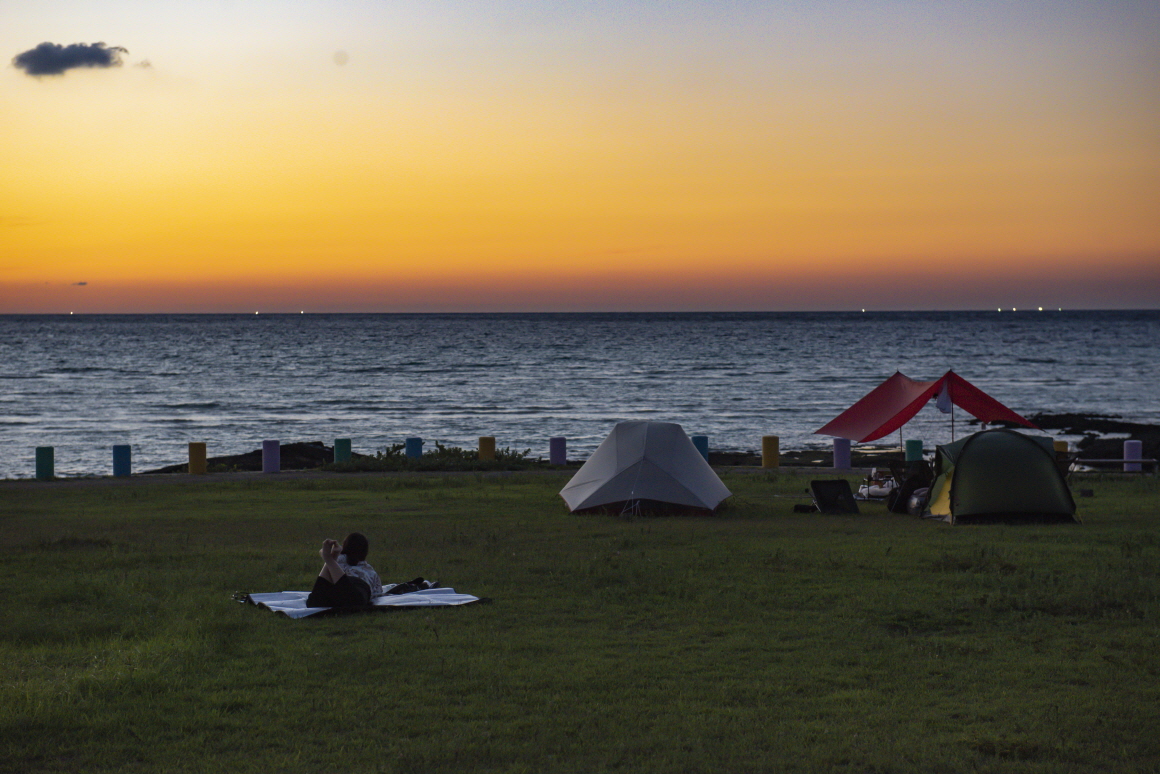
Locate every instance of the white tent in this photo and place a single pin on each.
(645, 461)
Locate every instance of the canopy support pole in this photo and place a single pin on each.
(951, 400)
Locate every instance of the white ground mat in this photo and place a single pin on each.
(293, 603)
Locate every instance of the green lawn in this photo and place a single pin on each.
(753, 640)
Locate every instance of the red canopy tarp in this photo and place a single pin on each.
(891, 404)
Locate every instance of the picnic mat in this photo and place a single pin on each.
(293, 603)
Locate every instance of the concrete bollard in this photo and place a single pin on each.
(1133, 450)
(841, 454)
(770, 451)
(271, 457)
(487, 447)
(702, 444)
(122, 460)
(342, 450)
(413, 448)
(45, 462)
(197, 464)
(558, 450)
(914, 451)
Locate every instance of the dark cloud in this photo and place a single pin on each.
(80, 284)
(54, 59)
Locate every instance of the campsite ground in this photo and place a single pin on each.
(753, 640)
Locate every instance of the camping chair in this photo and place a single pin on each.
(903, 471)
(909, 476)
(833, 497)
(877, 485)
(1063, 461)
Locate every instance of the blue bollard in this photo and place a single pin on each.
(45, 462)
(122, 460)
(413, 448)
(271, 457)
(558, 450)
(841, 454)
(342, 450)
(702, 444)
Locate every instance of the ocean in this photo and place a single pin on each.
(82, 383)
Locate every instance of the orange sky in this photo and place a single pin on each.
(492, 157)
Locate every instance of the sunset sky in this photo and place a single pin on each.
(373, 155)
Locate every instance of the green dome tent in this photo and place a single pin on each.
(999, 476)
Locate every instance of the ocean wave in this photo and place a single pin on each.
(527, 378)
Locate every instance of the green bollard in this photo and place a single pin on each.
(913, 451)
(342, 450)
(45, 462)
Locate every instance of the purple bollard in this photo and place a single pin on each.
(271, 457)
(841, 454)
(1133, 450)
(558, 450)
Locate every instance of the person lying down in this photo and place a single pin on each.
(347, 580)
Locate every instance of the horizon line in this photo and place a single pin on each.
(258, 313)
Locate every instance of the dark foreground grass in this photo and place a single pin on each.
(754, 640)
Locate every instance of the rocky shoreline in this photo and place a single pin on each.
(1093, 430)
(306, 455)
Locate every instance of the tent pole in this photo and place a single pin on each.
(951, 398)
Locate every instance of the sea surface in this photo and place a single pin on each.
(82, 383)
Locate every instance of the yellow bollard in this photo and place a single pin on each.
(487, 447)
(770, 451)
(196, 457)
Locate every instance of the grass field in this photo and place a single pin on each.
(753, 640)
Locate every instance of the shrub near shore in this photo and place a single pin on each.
(753, 640)
(442, 458)
(315, 455)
